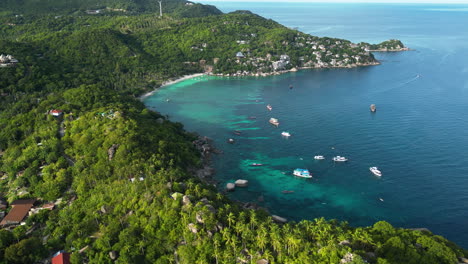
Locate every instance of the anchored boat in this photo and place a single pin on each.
(340, 159)
(274, 121)
(302, 173)
(319, 157)
(375, 171)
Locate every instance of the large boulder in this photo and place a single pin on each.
(113, 255)
(199, 218)
(111, 151)
(211, 208)
(242, 183)
(345, 243)
(230, 187)
(279, 219)
(186, 200)
(192, 228)
(349, 257)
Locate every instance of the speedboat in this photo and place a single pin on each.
(375, 171)
(340, 159)
(285, 134)
(231, 140)
(269, 107)
(302, 173)
(237, 132)
(373, 108)
(274, 121)
(319, 157)
(256, 164)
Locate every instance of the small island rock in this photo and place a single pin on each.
(242, 183)
(230, 187)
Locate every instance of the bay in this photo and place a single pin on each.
(418, 138)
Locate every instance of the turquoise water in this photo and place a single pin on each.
(418, 137)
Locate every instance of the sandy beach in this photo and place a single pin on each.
(170, 82)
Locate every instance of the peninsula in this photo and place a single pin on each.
(89, 175)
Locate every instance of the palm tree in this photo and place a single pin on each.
(262, 240)
(231, 219)
(216, 244)
(253, 219)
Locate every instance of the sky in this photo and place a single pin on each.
(349, 1)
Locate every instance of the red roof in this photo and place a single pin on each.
(23, 201)
(16, 214)
(49, 206)
(61, 258)
(55, 111)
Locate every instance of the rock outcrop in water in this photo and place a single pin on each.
(242, 183)
(230, 187)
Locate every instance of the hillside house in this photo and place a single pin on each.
(240, 55)
(61, 257)
(7, 60)
(19, 211)
(56, 112)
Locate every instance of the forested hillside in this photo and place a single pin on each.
(120, 175)
(179, 8)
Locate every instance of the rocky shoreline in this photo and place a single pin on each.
(205, 147)
(391, 50)
(294, 69)
(206, 174)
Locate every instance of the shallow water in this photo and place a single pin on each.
(418, 138)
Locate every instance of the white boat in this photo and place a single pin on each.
(319, 157)
(269, 107)
(302, 173)
(285, 134)
(375, 171)
(274, 121)
(340, 159)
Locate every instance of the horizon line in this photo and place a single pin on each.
(464, 2)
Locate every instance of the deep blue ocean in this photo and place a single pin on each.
(418, 137)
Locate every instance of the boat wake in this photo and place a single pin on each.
(415, 78)
(399, 85)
